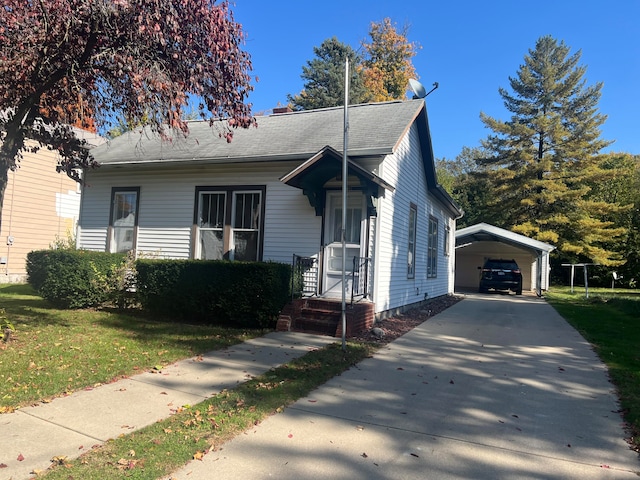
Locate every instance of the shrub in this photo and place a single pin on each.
(246, 294)
(74, 278)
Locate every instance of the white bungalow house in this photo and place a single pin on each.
(274, 192)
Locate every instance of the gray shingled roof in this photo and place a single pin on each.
(374, 129)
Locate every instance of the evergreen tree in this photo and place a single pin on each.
(464, 181)
(543, 160)
(324, 78)
(387, 67)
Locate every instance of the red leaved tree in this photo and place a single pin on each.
(61, 60)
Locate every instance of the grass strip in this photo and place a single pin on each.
(610, 321)
(159, 449)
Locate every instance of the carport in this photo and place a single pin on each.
(479, 242)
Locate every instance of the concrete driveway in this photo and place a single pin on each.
(495, 387)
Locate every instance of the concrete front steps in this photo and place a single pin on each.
(323, 316)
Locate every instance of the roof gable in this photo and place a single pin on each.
(486, 232)
(375, 129)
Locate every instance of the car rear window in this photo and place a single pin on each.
(502, 265)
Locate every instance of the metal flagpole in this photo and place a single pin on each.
(344, 204)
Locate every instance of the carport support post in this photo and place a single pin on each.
(573, 270)
(586, 283)
(539, 275)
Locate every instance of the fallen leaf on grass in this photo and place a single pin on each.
(124, 464)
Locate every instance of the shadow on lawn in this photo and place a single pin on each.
(23, 305)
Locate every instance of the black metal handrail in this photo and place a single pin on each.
(304, 276)
(360, 277)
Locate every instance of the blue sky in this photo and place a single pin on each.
(469, 47)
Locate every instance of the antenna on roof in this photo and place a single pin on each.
(418, 89)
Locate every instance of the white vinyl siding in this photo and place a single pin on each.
(166, 209)
(404, 170)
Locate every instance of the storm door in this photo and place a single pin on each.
(354, 234)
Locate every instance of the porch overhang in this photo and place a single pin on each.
(312, 175)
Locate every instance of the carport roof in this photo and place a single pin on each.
(483, 232)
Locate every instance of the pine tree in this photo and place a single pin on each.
(324, 78)
(545, 157)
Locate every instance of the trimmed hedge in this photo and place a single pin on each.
(244, 294)
(74, 278)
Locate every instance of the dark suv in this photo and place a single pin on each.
(501, 274)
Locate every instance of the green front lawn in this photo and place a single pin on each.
(610, 321)
(53, 352)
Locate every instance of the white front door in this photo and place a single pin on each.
(355, 228)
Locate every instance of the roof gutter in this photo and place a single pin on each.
(362, 152)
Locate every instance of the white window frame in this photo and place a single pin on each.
(447, 240)
(243, 228)
(229, 229)
(128, 227)
(202, 230)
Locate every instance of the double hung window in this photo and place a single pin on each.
(229, 223)
(123, 219)
(432, 248)
(411, 250)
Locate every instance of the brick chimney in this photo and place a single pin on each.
(286, 109)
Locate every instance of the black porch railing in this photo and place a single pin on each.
(360, 277)
(304, 276)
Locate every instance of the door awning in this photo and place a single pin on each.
(312, 175)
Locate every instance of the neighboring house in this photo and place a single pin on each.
(40, 207)
(275, 191)
(477, 243)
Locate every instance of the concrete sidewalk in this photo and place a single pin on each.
(495, 387)
(71, 425)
